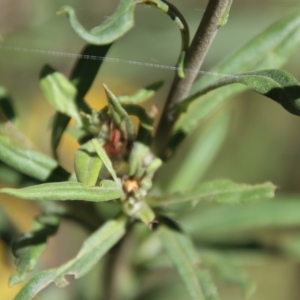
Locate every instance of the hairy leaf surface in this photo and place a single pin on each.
(92, 250)
(87, 164)
(67, 191)
(120, 22)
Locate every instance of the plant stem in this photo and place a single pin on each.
(195, 56)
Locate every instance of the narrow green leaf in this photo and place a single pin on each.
(60, 92)
(17, 152)
(31, 162)
(121, 21)
(110, 30)
(181, 252)
(67, 191)
(270, 49)
(29, 246)
(226, 220)
(277, 85)
(6, 104)
(219, 191)
(141, 95)
(106, 161)
(92, 250)
(87, 164)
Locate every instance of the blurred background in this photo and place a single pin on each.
(262, 144)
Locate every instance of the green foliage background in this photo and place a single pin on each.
(257, 123)
(262, 143)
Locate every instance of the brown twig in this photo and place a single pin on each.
(195, 56)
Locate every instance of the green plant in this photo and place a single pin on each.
(126, 166)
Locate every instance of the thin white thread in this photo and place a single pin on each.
(108, 59)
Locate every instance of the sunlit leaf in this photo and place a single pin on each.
(219, 191)
(110, 30)
(30, 245)
(67, 191)
(31, 162)
(181, 252)
(87, 164)
(277, 85)
(92, 250)
(60, 92)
